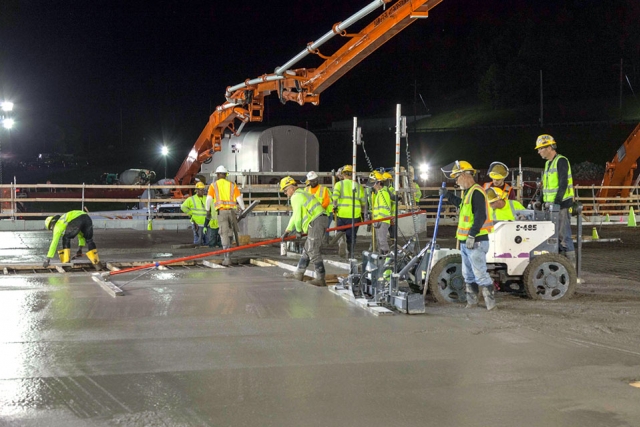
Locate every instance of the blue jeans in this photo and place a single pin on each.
(199, 238)
(564, 231)
(474, 264)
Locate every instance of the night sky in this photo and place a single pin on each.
(88, 75)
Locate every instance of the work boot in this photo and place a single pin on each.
(298, 275)
(320, 275)
(227, 260)
(342, 248)
(471, 290)
(489, 297)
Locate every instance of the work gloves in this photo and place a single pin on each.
(46, 263)
(552, 207)
(291, 233)
(377, 224)
(442, 192)
(471, 240)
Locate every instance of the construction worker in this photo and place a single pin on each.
(195, 207)
(388, 179)
(417, 193)
(557, 191)
(474, 226)
(347, 207)
(68, 226)
(498, 172)
(381, 207)
(226, 198)
(502, 209)
(321, 193)
(213, 230)
(308, 217)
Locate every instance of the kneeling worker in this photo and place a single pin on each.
(68, 226)
(501, 208)
(308, 217)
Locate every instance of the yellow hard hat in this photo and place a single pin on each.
(51, 221)
(544, 141)
(347, 169)
(458, 167)
(286, 182)
(494, 194)
(498, 170)
(387, 175)
(200, 186)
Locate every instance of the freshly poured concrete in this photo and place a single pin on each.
(244, 347)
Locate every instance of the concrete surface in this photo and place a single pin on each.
(242, 346)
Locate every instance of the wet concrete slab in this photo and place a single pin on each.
(242, 346)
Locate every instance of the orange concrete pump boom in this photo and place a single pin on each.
(245, 101)
(620, 170)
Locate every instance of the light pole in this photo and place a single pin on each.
(165, 153)
(7, 122)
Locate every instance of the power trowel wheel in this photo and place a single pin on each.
(446, 282)
(550, 277)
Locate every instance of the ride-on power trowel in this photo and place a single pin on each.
(523, 255)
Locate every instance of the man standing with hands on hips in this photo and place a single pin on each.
(474, 226)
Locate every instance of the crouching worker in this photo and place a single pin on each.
(68, 226)
(502, 209)
(308, 217)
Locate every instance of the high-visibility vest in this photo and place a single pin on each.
(550, 181)
(465, 222)
(418, 194)
(61, 227)
(214, 218)
(195, 207)
(323, 195)
(343, 194)
(392, 192)
(382, 205)
(225, 194)
(506, 212)
(305, 208)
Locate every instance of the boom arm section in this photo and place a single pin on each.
(620, 170)
(245, 101)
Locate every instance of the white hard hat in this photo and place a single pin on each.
(221, 169)
(311, 176)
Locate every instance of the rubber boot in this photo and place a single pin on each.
(320, 275)
(95, 259)
(489, 297)
(298, 274)
(471, 290)
(65, 255)
(227, 260)
(342, 248)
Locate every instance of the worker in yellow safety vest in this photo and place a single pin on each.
(348, 208)
(196, 207)
(308, 217)
(225, 197)
(498, 172)
(68, 226)
(502, 209)
(381, 208)
(474, 226)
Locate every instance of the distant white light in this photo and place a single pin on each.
(424, 168)
(238, 146)
(164, 150)
(7, 106)
(424, 176)
(8, 123)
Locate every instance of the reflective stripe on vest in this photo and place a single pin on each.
(198, 213)
(311, 208)
(223, 199)
(465, 222)
(345, 199)
(319, 194)
(382, 205)
(550, 181)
